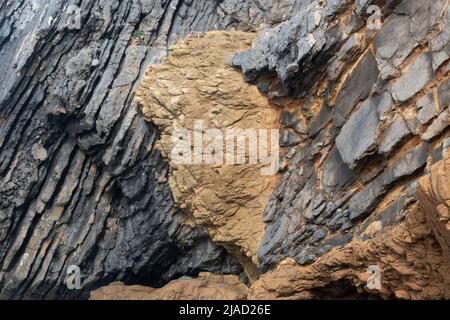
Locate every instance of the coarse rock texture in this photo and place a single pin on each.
(363, 106)
(80, 180)
(374, 121)
(204, 287)
(412, 257)
(434, 196)
(194, 87)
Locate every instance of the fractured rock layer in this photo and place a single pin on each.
(364, 115)
(194, 84)
(374, 109)
(79, 176)
(412, 263)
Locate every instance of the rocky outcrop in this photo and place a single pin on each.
(204, 287)
(412, 258)
(195, 90)
(434, 198)
(80, 181)
(375, 119)
(362, 100)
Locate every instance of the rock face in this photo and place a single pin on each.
(205, 287)
(80, 180)
(359, 91)
(412, 255)
(195, 90)
(363, 111)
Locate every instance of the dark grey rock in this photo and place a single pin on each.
(286, 119)
(358, 136)
(427, 108)
(338, 219)
(302, 41)
(424, 15)
(339, 240)
(444, 95)
(403, 31)
(320, 120)
(410, 163)
(316, 207)
(437, 126)
(346, 226)
(83, 170)
(384, 104)
(440, 45)
(335, 172)
(393, 44)
(318, 235)
(409, 83)
(365, 200)
(355, 43)
(289, 138)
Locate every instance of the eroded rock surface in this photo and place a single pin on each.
(412, 257)
(374, 118)
(194, 85)
(204, 287)
(364, 123)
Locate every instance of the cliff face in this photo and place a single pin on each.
(193, 89)
(363, 111)
(80, 180)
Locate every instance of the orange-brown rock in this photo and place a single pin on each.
(205, 287)
(413, 264)
(195, 84)
(412, 256)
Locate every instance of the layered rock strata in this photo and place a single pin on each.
(363, 118)
(412, 258)
(204, 287)
(80, 180)
(195, 90)
(372, 116)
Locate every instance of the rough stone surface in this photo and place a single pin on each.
(354, 147)
(394, 134)
(98, 199)
(412, 256)
(204, 287)
(194, 84)
(427, 108)
(356, 88)
(336, 180)
(410, 84)
(84, 179)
